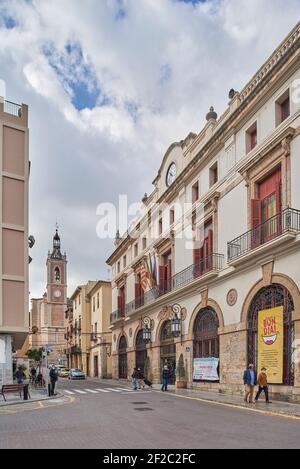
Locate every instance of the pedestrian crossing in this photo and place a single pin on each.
(87, 391)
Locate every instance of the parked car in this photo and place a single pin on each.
(64, 372)
(75, 373)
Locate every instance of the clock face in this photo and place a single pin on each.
(171, 174)
(57, 293)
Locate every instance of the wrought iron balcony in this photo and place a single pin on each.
(13, 108)
(287, 221)
(76, 350)
(209, 265)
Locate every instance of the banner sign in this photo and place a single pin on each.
(206, 369)
(270, 343)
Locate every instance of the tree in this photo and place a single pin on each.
(35, 354)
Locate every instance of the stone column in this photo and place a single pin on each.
(233, 357)
(115, 366)
(155, 363)
(297, 358)
(130, 361)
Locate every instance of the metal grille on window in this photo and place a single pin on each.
(206, 339)
(272, 297)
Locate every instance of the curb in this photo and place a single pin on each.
(32, 401)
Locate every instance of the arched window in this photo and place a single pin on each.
(206, 339)
(272, 297)
(123, 358)
(141, 351)
(168, 349)
(57, 274)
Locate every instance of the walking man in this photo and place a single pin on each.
(20, 375)
(263, 385)
(53, 379)
(250, 381)
(165, 378)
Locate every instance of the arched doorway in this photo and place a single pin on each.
(123, 358)
(272, 297)
(168, 350)
(206, 338)
(140, 351)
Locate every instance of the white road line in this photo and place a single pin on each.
(101, 390)
(91, 391)
(68, 392)
(79, 391)
(114, 390)
(126, 389)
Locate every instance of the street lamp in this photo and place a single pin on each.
(147, 329)
(176, 326)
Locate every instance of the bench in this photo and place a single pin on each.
(15, 389)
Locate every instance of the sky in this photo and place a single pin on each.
(110, 85)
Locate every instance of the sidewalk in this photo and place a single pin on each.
(276, 408)
(36, 395)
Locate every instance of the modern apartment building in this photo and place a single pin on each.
(219, 242)
(14, 289)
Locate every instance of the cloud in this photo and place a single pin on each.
(110, 85)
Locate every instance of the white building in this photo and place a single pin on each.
(236, 185)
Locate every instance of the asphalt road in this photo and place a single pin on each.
(105, 416)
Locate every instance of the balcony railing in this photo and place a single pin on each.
(13, 109)
(76, 350)
(212, 263)
(287, 221)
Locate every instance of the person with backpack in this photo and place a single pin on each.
(20, 375)
(134, 379)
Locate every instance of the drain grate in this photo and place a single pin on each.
(143, 409)
(139, 403)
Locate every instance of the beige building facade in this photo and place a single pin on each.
(90, 347)
(100, 347)
(14, 289)
(221, 234)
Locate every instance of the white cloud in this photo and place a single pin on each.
(159, 65)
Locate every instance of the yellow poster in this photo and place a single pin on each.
(270, 343)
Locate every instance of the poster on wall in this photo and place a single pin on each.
(206, 369)
(2, 351)
(270, 343)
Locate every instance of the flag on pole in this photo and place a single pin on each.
(153, 275)
(144, 276)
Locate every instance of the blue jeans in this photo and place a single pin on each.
(165, 384)
(133, 382)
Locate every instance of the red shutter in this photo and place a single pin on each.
(137, 295)
(210, 249)
(161, 272)
(169, 275)
(119, 306)
(278, 207)
(197, 260)
(256, 222)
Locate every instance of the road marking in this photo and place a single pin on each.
(126, 389)
(68, 392)
(114, 390)
(79, 391)
(101, 390)
(91, 391)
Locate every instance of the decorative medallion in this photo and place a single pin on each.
(130, 332)
(115, 337)
(232, 297)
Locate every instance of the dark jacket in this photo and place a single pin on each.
(53, 375)
(166, 374)
(247, 377)
(139, 374)
(134, 375)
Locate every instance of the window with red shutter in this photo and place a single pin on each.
(256, 222)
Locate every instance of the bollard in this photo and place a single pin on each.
(49, 390)
(25, 393)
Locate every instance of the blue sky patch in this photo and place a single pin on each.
(77, 76)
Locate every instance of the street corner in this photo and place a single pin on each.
(29, 406)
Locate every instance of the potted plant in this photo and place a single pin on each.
(181, 381)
